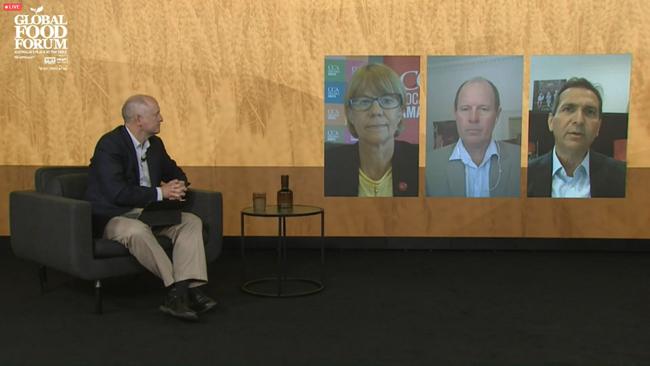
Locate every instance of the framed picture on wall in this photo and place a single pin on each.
(545, 93)
(445, 132)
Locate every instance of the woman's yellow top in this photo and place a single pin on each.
(376, 188)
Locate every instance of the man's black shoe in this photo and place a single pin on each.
(199, 301)
(176, 306)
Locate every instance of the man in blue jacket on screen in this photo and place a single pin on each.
(130, 168)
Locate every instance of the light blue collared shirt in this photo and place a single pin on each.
(141, 153)
(563, 186)
(477, 178)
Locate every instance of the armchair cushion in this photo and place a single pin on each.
(69, 185)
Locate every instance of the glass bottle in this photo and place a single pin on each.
(285, 195)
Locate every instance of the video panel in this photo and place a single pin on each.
(578, 121)
(372, 112)
(473, 126)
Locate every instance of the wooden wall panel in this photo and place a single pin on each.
(240, 82)
(14, 178)
(404, 217)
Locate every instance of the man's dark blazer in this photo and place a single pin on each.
(342, 169)
(607, 176)
(114, 176)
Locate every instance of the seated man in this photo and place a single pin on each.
(129, 169)
(572, 169)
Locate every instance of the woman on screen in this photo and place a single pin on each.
(376, 165)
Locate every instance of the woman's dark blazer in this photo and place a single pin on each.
(342, 169)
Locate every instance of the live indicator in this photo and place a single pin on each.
(12, 6)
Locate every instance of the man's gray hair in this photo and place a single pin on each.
(131, 106)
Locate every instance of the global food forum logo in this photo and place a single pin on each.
(42, 37)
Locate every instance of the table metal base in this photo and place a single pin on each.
(317, 286)
(282, 285)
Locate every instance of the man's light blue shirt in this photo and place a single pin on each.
(563, 186)
(141, 155)
(477, 178)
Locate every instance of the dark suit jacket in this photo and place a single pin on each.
(342, 169)
(607, 176)
(114, 176)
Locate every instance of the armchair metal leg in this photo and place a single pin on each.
(98, 297)
(42, 277)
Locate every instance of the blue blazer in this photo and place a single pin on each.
(114, 176)
(606, 175)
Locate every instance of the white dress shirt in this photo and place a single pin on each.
(564, 186)
(141, 154)
(477, 178)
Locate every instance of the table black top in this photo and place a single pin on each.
(274, 211)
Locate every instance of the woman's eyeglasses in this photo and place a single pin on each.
(388, 101)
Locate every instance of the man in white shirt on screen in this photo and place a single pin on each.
(477, 165)
(572, 169)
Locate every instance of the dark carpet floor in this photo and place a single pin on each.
(379, 308)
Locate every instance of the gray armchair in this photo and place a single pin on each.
(52, 226)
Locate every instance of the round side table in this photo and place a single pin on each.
(312, 285)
